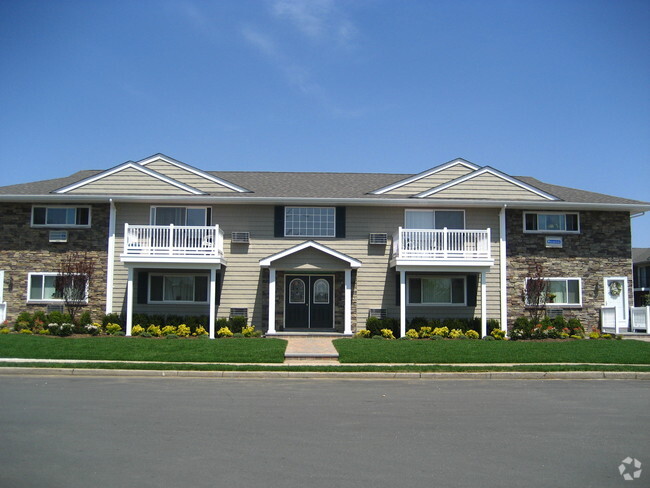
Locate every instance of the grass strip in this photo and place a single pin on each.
(343, 368)
(472, 351)
(235, 350)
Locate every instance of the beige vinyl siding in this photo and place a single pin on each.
(245, 284)
(490, 187)
(129, 182)
(187, 177)
(431, 181)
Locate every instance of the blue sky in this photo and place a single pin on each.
(558, 90)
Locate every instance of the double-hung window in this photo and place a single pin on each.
(434, 219)
(563, 291)
(551, 222)
(61, 216)
(41, 287)
(178, 288)
(438, 290)
(310, 221)
(190, 216)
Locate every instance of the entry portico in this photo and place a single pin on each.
(307, 270)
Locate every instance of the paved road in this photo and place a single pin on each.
(178, 432)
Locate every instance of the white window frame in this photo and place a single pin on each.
(559, 304)
(434, 210)
(550, 231)
(286, 220)
(62, 226)
(152, 212)
(435, 304)
(46, 300)
(163, 301)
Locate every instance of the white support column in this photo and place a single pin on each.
(213, 301)
(402, 303)
(129, 301)
(483, 303)
(347, 329)
(110, 265)
(503, 289)
(271, 329)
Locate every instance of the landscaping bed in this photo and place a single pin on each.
(469, 351)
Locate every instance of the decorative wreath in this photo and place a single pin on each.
(615, 288)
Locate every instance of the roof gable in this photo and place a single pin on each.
(487, 184)
(190, 175)
(429, 178)
(310, 245)
(129, 178)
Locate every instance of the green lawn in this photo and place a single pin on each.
(236, 350)
(471, 351)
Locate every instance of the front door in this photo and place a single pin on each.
(616, 296)
(309, 302)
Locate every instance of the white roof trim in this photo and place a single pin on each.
(266, 262)
(493, 172)
(137, 167)
(426, 173)
(193, 170)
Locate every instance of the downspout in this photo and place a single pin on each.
(110, 266)
(503, 269)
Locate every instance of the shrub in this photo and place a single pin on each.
(85, 318)
(26, 331)
(62, 330)
(497, 334)
(23, 321)
(251, 332)
(167, 330)
(137, 330)
(21, 325)
(183, 330)
(171, 336)
(413, 334)
(489, 338)
(362, 334)
(154, 331)
(379, 337)
(387, 333)
(436, 337)
(522, 329)
(440, 332)
(42, 332)
(113, 329)
(418, 322)
(456, 333)
(575, 327)
(373, 324)
(472, 334)
(200, 331)
(492, 324)
(4, 330)
(594, 334)
(574, 336)
(145, 334)
(111, 318)
(39, 315)
(605, 336)
(424, 332)
(224, 332)
(93, 329)
(237, 323)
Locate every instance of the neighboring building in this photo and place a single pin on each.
(641, 274)
(317, 251)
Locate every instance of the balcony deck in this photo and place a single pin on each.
(444, 247)
(169, 243)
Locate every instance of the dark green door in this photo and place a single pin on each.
(309, 302)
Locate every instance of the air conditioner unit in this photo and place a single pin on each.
(238, 312)
(379, 313)
(58, 236)
(241, 237)
(380, 238)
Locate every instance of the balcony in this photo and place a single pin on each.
(444, 247)
(170, 243)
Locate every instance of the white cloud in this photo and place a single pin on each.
(317, 19)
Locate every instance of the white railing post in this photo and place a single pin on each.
(171, 238)
(445, 243)
(126, 238)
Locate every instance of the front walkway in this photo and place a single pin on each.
(314, 349)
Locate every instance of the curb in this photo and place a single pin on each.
(496, 375)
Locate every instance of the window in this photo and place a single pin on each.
(643, 277)
(434, 219)
(297, 291)
(551, 222)
(41, 287)
(61, 216)
(321, 291)
(564, 291)
(178, 288)
(309, 221)
(191, 216)
(439, 290)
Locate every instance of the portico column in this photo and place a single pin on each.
(402, 303)
(213, 301)
(347, 327)
(271, 329)
(129, 301)
(483, 304)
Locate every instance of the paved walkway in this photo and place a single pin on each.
(300, 349)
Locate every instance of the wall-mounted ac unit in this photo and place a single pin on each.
(378, 238)
(241, 237)
(379, 313)
(238, 312)
(58, 236)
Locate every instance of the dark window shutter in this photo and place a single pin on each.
(279, 221)
(397, 294)
(340, 221)
(143, 285)
(83, 216)
(201, 288)
(39, 216)
(472, 289)
(208, 216)
(531, 221)
(157, 288)
(415, 290)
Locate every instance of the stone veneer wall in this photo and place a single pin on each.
(24, 249)
(601, 249)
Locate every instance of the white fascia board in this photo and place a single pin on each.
(424, 174)
(137, 167)
(266, 262)
(194, 262)
(444, 268)
(195, 171)
(493, 172)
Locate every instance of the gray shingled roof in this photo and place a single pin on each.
(640, 255)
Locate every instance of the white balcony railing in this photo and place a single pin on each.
(173, 241)
(443, 244)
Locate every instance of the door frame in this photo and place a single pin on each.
(288, 276)
(621, 322)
